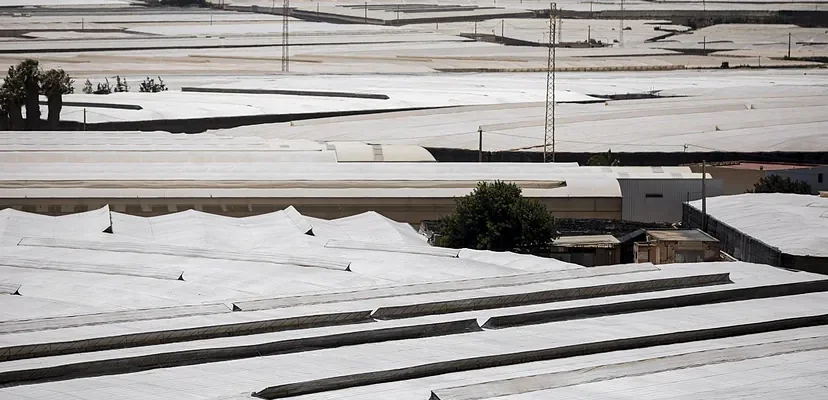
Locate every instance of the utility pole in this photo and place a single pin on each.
(502, 38)
(84, 119)
(475, 30)
(704, 43)
(621, 34)
(789, 45)
(366, 12)
(549, 126)
(589, 35)
(285, 36)
(480, 144)
(704, 195)
(83, 25)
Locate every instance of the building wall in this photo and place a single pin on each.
(660, 200)
(587, 257)
(734, 181)
(410, 210)
(669, 252)
(738, 181)
(809, 175)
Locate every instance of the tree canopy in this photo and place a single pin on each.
(496, 216)
(604, 160)
(776, 184)
(22, 86)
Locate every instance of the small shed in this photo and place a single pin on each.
(677, 246)
(589, 251)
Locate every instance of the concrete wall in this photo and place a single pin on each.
(747, 248)
(660, 200)
(734, 181)
(738, 181)
(410, 210)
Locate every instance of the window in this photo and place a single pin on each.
(653, 195)
(819, 177)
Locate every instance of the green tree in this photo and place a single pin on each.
(150, 86)
(103, 88)
(121, 86)
(496, 216)
(604, 160)
(22, 86)
(12, 99)
(54, 83)
(29, 71)
(775, 184)
(87, 87)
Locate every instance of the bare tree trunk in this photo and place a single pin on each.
(32, 104)
(55, 106)
(16, 122)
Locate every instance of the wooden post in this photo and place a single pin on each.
(480, 144)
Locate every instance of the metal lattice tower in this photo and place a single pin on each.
(549, 125)
(285, 36)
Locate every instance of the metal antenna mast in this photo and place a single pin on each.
(285, 36)
(549, 126)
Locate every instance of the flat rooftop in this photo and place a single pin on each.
(681, 235)
(796, 224)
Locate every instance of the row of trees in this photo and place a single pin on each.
(27, 81)
(149, 85)
(23, 85)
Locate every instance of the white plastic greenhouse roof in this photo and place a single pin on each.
(197, 306)
(216, 176)
(733, 112)
(795, 224)
(343, 179)
(162, 147)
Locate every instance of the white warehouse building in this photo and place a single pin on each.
(658, 197)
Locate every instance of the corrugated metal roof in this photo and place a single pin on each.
(681, 235)
(586, 241)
